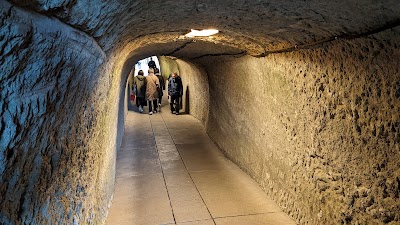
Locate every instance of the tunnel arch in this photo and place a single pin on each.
(193, 74)
(325, 85)
(329, 70)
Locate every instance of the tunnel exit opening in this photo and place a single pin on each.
(145, 64)
(166, 65)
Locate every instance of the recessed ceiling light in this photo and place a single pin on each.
(201, 33)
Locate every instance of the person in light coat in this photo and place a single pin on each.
(153, 84)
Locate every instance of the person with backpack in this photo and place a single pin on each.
(175, 92)
(139, 89)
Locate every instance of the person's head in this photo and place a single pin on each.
(140, 72)
(156, 70)
(174, 75)
(151, 70)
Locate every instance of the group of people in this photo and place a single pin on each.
(150, 89)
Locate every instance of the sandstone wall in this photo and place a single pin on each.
(318, 129)
(58, 122)
(167, 66)
(195, 97)
(195, 90)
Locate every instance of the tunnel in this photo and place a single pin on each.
(303, 96)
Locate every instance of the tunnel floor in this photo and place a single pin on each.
(170, 172)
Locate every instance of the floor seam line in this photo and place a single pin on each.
(162, 171)
(191, 178)
(251, 214)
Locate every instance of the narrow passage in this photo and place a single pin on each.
(170, 172)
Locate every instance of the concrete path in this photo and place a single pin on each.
(170, 172)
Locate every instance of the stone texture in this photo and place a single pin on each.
(58, 125)
(168, 66)
(254, 26)
(195, 85)
(317, 126)
(195, 90)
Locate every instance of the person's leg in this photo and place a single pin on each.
(141, 103)
(177, 105)
(159, 103)
(155, 105)
(150, 107)
(172, 103)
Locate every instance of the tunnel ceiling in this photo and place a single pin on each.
(255, 27)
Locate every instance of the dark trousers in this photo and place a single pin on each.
(175, 100)
(159, 99)
(140, 101)
(154, 104)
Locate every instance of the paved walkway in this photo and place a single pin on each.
(169, 172)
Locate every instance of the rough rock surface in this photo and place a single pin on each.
(254, 26)
(58, 123)
(168, 66)
(195, 97)
(195, 90)
(316, 125)
(319, 129)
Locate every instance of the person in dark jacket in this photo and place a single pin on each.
(162, 87)
(139, 87)
(151, 63)
(175, 92)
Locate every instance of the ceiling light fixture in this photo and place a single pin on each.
(201, 33)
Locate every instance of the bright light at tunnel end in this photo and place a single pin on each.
(201, 33)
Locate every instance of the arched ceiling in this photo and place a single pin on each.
(254, 27)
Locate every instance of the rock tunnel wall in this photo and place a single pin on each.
(195, 97)
(318, 129)
(195, 90)
(168, 66)
(58, 125)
